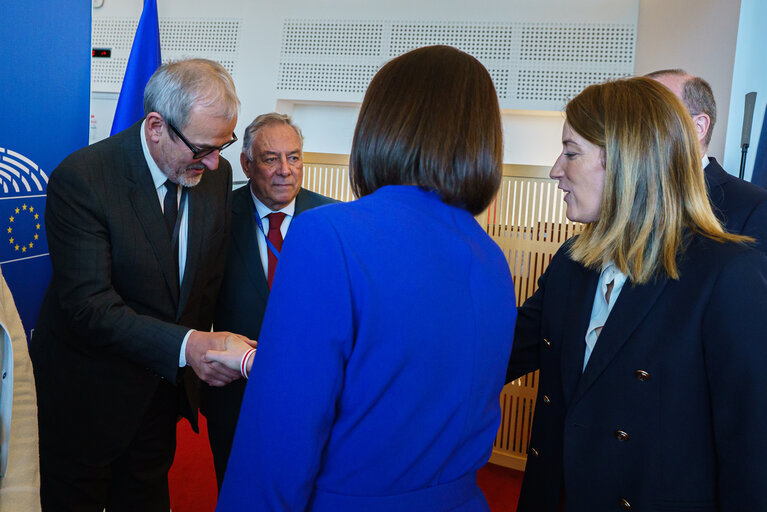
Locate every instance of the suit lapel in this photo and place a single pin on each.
(245, 239)
(629, 311)
(580, 300)
(302, 202)
(146, 205)
(197, 208)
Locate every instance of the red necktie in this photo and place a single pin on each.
(275, 236)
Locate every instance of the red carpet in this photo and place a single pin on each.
(193, 481)
(192, 478)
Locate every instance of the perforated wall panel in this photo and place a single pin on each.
(537, 66)
(217, 39)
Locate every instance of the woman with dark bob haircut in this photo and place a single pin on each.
(648, 328)
(383, 352)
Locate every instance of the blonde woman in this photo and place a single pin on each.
(648, 328)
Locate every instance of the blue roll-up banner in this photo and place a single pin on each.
(45, 69)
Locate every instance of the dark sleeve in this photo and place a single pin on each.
(80, 246)
(527, 333)
(735, 352)
(524, 351)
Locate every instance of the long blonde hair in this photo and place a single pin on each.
(654, 186)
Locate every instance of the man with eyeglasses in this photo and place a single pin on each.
(137, 228)
(262, 213)
(739, 205)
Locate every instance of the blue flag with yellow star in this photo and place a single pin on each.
(45, 112)
(23, 228)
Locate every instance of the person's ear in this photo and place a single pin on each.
(154, 125)
(245, 163)
(702, 124)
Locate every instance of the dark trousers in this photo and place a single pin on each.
(221, 407)
(137, 480)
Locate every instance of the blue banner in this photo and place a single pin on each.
(759, 174)
(45, 104)
(143, 61)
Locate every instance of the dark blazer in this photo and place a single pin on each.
(112, 320)
(240, 308)
(740, 205)
(670, 411)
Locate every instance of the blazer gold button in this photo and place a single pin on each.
(534, 453)
(625, 504)
(621, 436)
(642, 375)
(547, 343)
(546, 400)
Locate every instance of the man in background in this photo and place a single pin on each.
(740, 205)
(137, 226)
(262, 211)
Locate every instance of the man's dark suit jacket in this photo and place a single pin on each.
(740, 205)
(240, 308)
(670, 411)
(112, 321)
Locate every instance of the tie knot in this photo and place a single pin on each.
(171, 187)
(275, 220)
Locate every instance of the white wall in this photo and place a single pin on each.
(531, 137)
(750, 74)
(698, 36)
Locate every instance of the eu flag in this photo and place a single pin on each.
(143, 61)
(759, 174)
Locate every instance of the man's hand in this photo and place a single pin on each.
(212, 372)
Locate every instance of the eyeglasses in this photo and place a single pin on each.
(198, 153)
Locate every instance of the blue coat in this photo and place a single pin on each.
(671, 410)
(382, 355)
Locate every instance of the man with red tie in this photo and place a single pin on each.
(262, 212)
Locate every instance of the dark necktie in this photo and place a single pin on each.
(170, 207)
(275, 236)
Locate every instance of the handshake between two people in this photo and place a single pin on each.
(219, 358)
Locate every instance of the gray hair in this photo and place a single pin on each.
(262, 121)
(697, 96)
(177, 87)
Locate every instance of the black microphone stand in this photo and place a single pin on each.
(748, 117)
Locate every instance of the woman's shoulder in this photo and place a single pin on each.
(704, 255)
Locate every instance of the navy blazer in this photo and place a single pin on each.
(740, 205)
(375, 385)
(671, 409)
